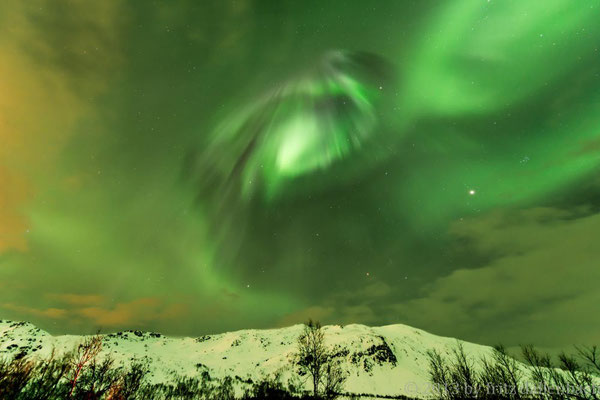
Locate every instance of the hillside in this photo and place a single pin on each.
(383, 361)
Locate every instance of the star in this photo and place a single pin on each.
(471, 192)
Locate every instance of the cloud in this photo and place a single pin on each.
(541, 284)
(133, 313)
(316, 313)
(56, 57)
(537, 282)
(96, 310)
(14, 190)
(344, 307)
(52, 313)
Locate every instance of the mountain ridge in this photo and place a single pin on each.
(390, 360)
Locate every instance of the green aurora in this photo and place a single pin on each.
(198, 166)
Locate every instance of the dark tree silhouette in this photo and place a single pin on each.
(312, 354)
(314, 358)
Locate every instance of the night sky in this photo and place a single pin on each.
(192, 167)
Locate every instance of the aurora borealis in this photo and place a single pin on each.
(199, 166)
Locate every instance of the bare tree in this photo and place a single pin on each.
(591, 356)
(463, 373)
(439, 374)
(14, 376)
(85, 355)
(508, 370)
(455, 378)
(578, 378)
(552, 380)
(537, 363)
(51, 373)
(460, 377)
(334, 379)
(129, 383)
(312, 353)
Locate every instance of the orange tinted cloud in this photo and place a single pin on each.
(14, 190)
(94, 309)
(50, 74)
(132, 313)
(53, 313)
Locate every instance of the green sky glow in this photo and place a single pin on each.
(195, 167)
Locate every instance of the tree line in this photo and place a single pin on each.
(82, 375)
(500, 376)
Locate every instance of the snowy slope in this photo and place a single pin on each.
(388, 360)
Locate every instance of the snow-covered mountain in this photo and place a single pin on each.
(384, 361)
